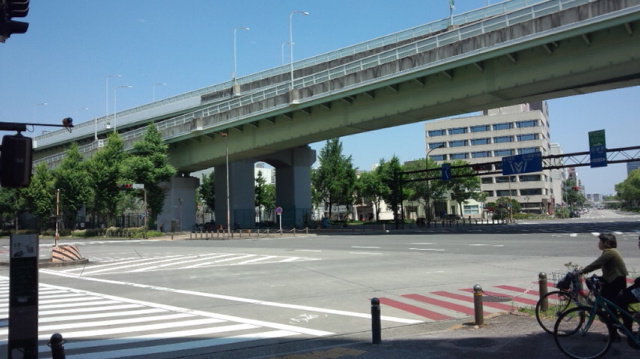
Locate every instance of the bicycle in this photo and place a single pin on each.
(558, 301)
(586, 332)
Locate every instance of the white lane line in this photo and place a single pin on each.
(365, 247)
(309, 250)
(422, 243)
(231, 298)
(190, 259)
(149, 337)
(427, 249)
(63, 318)
(366, 253)
(89, 310)
(182, 346)
(118, 264)
(105, 323)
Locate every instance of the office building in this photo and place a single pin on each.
(496, 133)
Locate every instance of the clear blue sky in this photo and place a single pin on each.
(72, 45)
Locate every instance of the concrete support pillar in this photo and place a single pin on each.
(293, 185)
(179, 211)
(241, 194)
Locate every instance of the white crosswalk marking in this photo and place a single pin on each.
(102, 326)
(176, 262)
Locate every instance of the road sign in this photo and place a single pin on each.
(138, 186)
(597, 149)
(530, 162)
(278, 210)
(445, 172)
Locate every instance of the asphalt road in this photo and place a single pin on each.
(275, 289)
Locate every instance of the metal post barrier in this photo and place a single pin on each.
(376, 330)
(542, 281)
(56, 343)
(477, 305)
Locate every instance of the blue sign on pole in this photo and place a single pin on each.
(530, 162)
(445, 172)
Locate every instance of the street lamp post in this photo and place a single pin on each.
(426, 165)
(233, 73)
(291, 41)
(115, 109)
(282, 51)
(106, 96)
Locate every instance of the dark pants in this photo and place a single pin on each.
(626, 298)
(610, 291)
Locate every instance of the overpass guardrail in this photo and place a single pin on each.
(192, 99)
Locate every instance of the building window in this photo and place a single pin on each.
(480, 128)
(489, 193)
(505, 193)
(503, 126)
(505, 179)
(522, 151)
(438, 157)
(531, 192)
(480, 154)
(457, 130)
(459, 156)
(502, 153)
(529, 123)
(433, 145)
(458, 143)
(498, 166)
(487, 180)
(470, 209)
(503, 139)
(480, 141)
(528, 137)
(529, 178)
(434, 133)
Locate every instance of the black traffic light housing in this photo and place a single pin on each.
(8, 10)
(16, 156)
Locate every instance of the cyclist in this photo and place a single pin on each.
(629, 296)
(614, 271)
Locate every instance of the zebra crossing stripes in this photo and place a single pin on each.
(443, 305)
(103, 326)
(176, 262)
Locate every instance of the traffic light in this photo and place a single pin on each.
(15, 161)
(126, 186)
(575, 188)
(11, 9)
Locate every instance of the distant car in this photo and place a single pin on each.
(574, 214)
(452, 217)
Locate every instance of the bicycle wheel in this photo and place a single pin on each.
(580, 336)
(557, 303)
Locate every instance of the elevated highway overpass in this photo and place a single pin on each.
(507, 53)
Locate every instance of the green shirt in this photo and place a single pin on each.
(611, 263)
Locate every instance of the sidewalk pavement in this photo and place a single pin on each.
(504, 336)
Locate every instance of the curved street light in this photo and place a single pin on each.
(233, 73)
(106, 95)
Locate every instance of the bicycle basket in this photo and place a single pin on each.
(565, 283)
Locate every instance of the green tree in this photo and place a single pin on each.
(389, 174)
(571, 195)
(265, 196)
(371, 188)
(74, 183)
(106, 170)
(464, 183)
(39, 197)
(149, 165)
(628, 191)
(422, 190)
(207, 190)
(334, 181)
(11, 203)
